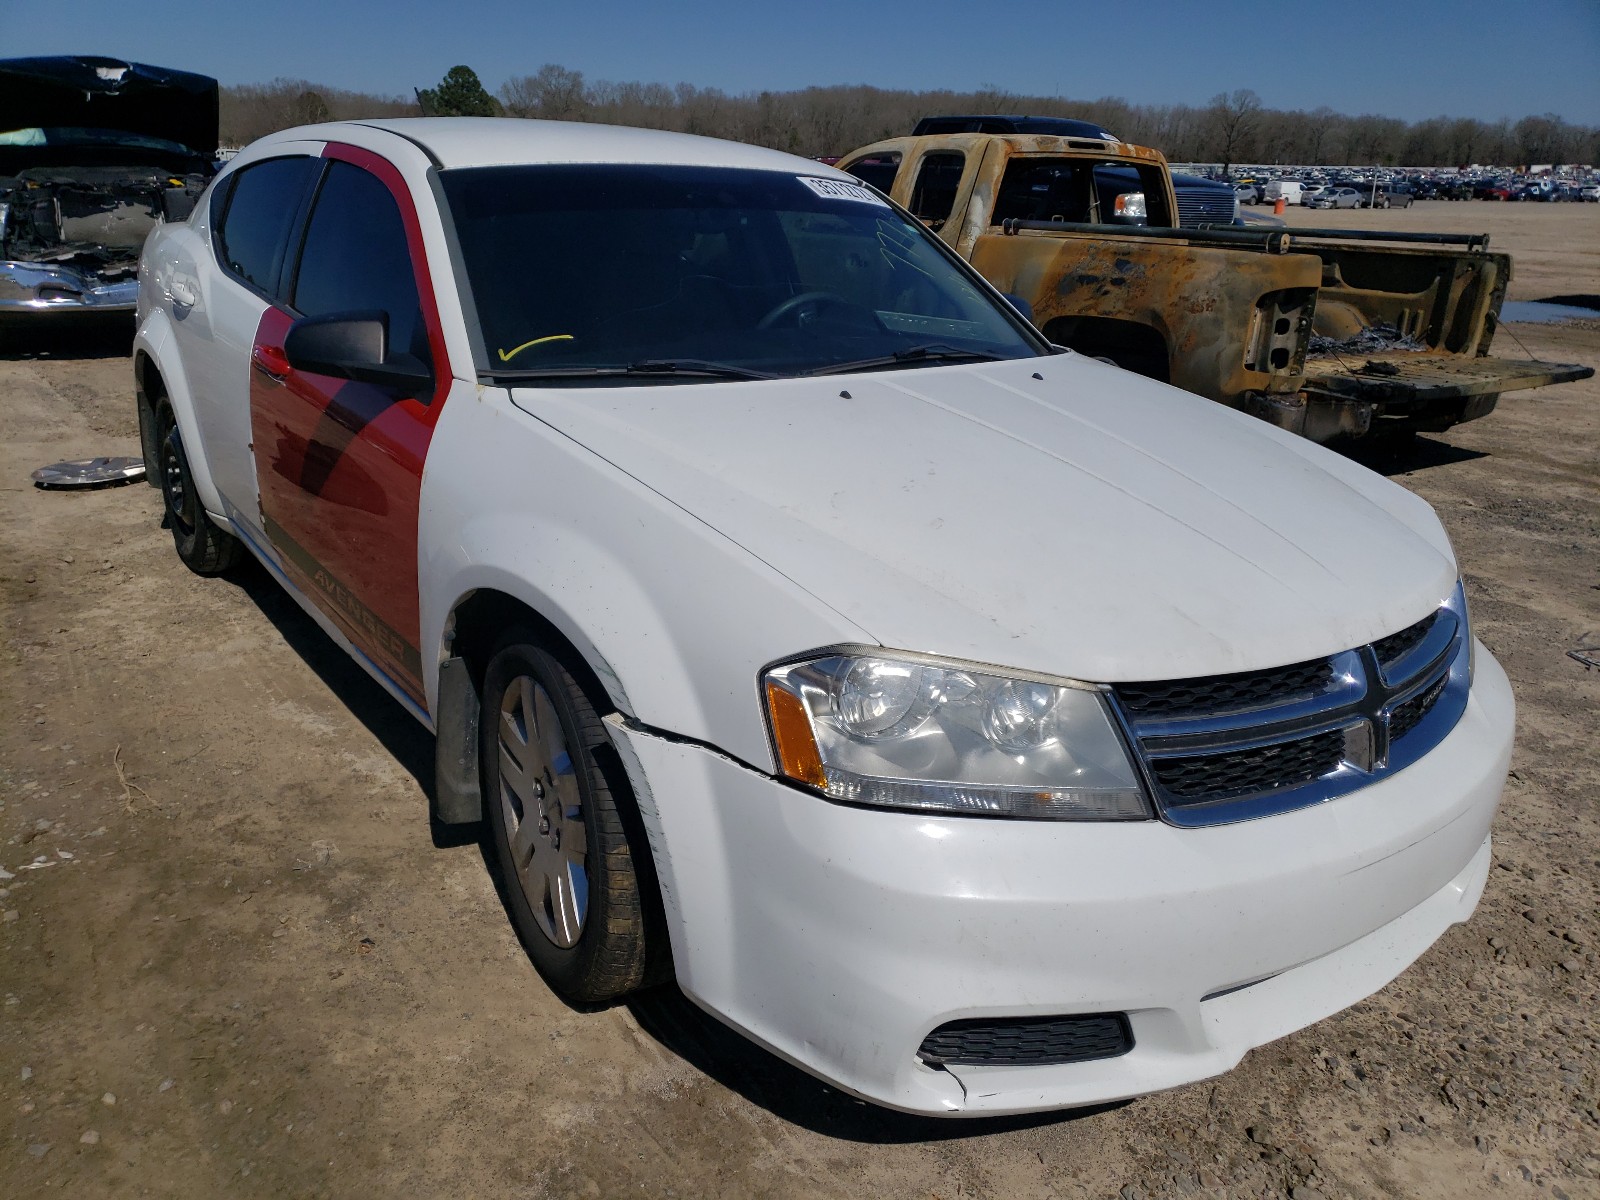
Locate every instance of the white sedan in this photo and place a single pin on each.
(1335, 197)
(979, 726)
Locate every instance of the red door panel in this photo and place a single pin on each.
(339, 466)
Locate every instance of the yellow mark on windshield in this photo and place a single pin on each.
(508, 355)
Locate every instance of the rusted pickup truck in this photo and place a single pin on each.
(1322, 332)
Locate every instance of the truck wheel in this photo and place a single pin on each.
(202, 547)
(570, 883)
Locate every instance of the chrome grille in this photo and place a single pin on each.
(1223, 693)
(1262, 768)
(1202, 206)
(1406, 717)
(1252, 744)
(1397, 644)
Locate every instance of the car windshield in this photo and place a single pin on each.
(674, 272)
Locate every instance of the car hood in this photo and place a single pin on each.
(83, 91)
(1057, 514)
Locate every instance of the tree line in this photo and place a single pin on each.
(1234, 127)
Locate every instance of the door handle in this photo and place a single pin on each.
(181, 294)
(271, 361)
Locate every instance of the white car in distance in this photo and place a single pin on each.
(982, 728)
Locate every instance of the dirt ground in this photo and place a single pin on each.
(235, 961)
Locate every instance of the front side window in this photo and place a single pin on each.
(938, 179)
(603, 266)
(356, 258)
(262, 207)
(877, 169)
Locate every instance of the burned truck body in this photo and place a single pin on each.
(1325, 333)
(94, 152)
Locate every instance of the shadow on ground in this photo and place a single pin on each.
(401, 735)
(787, 1092)
(53, 336)
(1400, 455)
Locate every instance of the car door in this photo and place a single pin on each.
(217, 304)
(339, 461)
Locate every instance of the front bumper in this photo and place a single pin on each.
(840, 937)
(31, 287)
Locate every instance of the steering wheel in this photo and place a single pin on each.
(794, 303)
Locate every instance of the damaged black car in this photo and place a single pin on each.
(94, 153)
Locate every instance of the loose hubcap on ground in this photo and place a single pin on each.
(543, 811)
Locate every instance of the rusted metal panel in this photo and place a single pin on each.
(1443, 300)
(1217, 311)
(1321, 332)
(1400, 377)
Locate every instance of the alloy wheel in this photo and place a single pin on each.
(543, 811)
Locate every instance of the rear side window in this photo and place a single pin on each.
(262, 208)
(1082, 190)
(356, 258)
(938, 178)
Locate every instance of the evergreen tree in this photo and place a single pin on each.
(459, 94)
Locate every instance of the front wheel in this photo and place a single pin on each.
(555, 818)
(201, 545)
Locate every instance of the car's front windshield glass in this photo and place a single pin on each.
(702, 272)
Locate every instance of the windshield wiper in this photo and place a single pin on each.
(911, 356)
(645, 368)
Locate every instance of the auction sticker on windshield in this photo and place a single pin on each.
(838, 189)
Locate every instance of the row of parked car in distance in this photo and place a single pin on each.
(1331, 195)
(1400, 192)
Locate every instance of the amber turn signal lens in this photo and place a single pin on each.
(791, 729)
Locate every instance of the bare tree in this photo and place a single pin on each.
(555, 93)
(1233, 117)
(1233, 128)
(255, 110)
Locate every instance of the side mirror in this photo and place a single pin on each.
(1021, 305)
(354, 345)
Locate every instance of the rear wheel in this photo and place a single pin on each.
(556, 822)
(203, 548)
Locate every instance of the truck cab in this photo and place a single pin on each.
(1327, 333)
(1087, 231)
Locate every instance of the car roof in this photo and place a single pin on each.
(510, 141)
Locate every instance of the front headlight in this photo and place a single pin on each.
(902, 731)
(1130, 206)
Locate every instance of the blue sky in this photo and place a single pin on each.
(1405, 58)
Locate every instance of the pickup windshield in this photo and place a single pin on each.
(602, 272)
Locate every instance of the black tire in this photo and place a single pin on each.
(605, 956)
(203, 548)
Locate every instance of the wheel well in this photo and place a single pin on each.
(476, 625)
(148, 388)
(478, 621)
(1129, 344)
